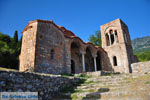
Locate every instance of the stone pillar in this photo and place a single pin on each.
(83, 61)
(95, 66)
(109, 39)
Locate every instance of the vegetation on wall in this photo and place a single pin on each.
(9, 51)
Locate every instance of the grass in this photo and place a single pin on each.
(88, 82)
(74, 97)
(66, 74)
(7, 69)
(147, 82)
(84, 76)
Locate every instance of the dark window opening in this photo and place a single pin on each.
(107, 40)
(40, 36)
(116, 36)
(112, 38)
(116, 33)
(72, 67)
(52, 54)
(110, 31)
(115, 60)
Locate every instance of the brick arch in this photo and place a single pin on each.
(92, 48)
(79, 42)
(76, 47)
(113, 28)
(104, 58)
(89, 60)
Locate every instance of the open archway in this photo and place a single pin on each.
(76, 61)
(99, 61)
(89, 61)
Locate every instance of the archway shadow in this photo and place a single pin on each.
(96, 95)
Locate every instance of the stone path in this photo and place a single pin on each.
(112, 87)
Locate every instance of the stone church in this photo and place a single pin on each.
(50, 48)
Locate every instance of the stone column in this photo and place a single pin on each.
(95, 66)
(109, 39)
(83, 61)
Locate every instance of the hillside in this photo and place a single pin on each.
(141, 44)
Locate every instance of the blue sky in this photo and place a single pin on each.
(82, 17)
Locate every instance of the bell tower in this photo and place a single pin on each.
(117, 43)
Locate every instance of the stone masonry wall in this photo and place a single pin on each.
(45, 84)
(50, 38)
(27, 55)
(141, 67)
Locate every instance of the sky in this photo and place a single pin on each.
(82, 17)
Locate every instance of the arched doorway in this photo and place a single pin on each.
(89, 60)
(76, 60)
(99, 61)
(72, 67)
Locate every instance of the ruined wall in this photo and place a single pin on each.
(45, 84)
(50, 50)
(27, 55)
(141, 67)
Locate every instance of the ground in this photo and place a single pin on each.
(110, 87)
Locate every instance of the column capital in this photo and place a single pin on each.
(83, 52)
(94, 55)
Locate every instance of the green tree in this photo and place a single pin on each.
(96, 38)
(16, 36)
(9, 51)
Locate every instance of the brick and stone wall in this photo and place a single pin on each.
(141, 67)
(27, 55)
(117, 43)
(45, 84)
(50, 38)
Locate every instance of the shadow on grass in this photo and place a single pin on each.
(95, 95)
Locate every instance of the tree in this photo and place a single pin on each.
(9, 51)
(16, 36)
(96, 38)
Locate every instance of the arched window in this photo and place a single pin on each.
(112, 38)
(115, 60)
(116, 36)
(52, 54)
(107, 40)
(110, 31)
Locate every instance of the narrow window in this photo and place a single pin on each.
(52, 54)
(110, 31)
(112, 38)
(115, 60)
(107, 40)
(116, 35)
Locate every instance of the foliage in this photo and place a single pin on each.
(143, 56)
(84, 76)
(16, 36)
(9, 51)
(96, 38)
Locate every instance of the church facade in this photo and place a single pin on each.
(50, 48)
